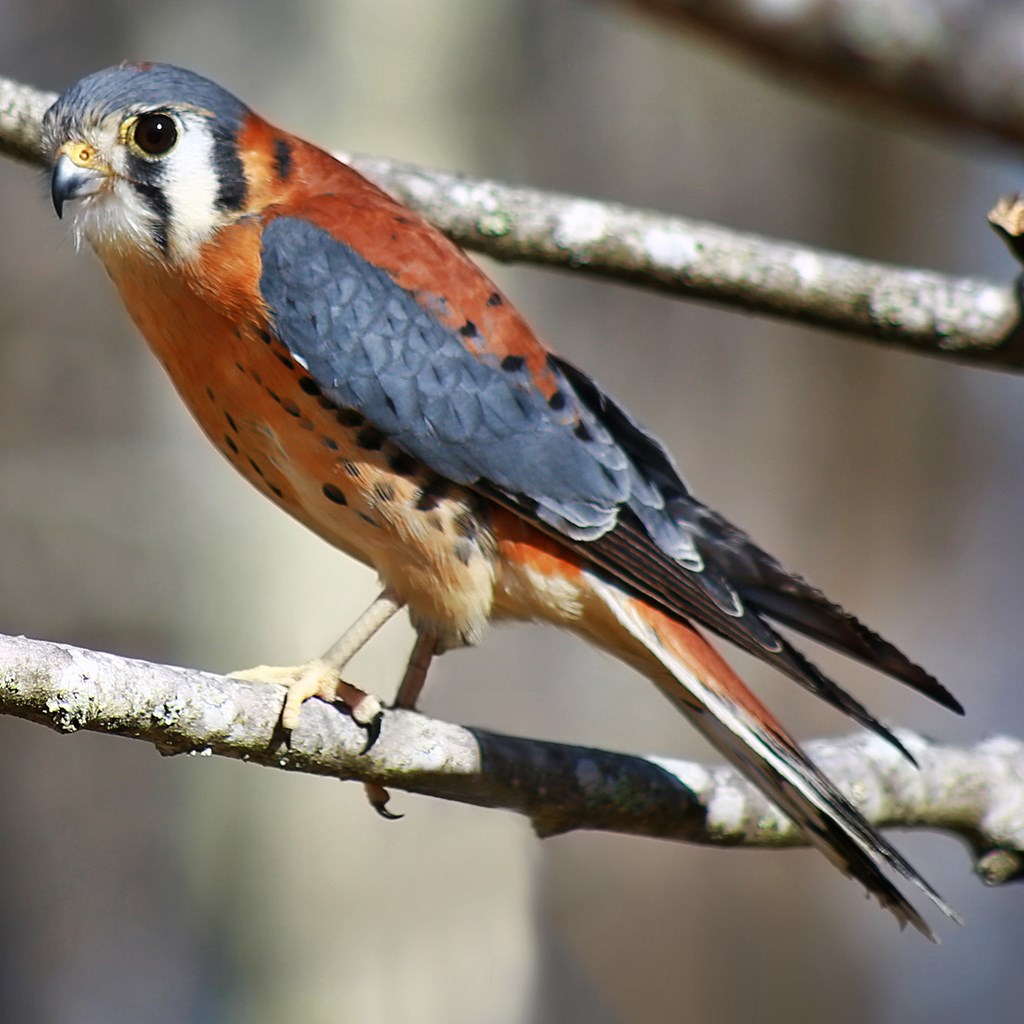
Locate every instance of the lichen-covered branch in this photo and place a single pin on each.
(976, 792)
(957, 64)
(961, 318)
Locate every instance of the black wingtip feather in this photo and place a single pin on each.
(788, 599)
(808, 675)
(806, 609)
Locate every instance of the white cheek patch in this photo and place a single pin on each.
(190, 186)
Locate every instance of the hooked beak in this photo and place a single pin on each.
(72, 181)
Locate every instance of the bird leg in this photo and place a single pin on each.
(411, 687)
(321, 677)
(409, 691)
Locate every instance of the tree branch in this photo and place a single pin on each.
(953, 63)
(21, 115)
(975, 793)
(965, 319)
(968, 319)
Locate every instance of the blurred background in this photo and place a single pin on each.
(136, 888)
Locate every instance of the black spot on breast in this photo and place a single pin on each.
(334, 494)
(230, 442)
(275, 490)
(433, 494)
(468, 329)
(403, 464)
(366, 519)
(383, 492)
(513, 364)
(282, 158)
(370, 438)
(330, 443)
(286, 361)
(291, 407)
(310, 386)
(558, 401)
(494, 299)
(349, 418)
(266, 338)
(256, 467)
(209, 394)
(231, 423)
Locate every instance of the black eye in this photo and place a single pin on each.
(155, 134)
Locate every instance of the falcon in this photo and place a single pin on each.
(367, 377)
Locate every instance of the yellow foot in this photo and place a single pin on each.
(317, 678)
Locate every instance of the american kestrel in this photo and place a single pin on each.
(364, 374)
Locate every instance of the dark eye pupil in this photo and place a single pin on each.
(155, 133)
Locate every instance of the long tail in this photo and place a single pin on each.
(700, 683)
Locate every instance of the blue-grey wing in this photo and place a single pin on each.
(373, 347)
(581, 469)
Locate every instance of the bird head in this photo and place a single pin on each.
(149, 155)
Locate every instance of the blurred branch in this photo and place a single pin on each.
(958, 64)
(965, 319)
(21, 115)
(976, 792)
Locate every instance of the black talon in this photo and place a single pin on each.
(379, 797)
(280, 737)
(373, 732)
(383, 811)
